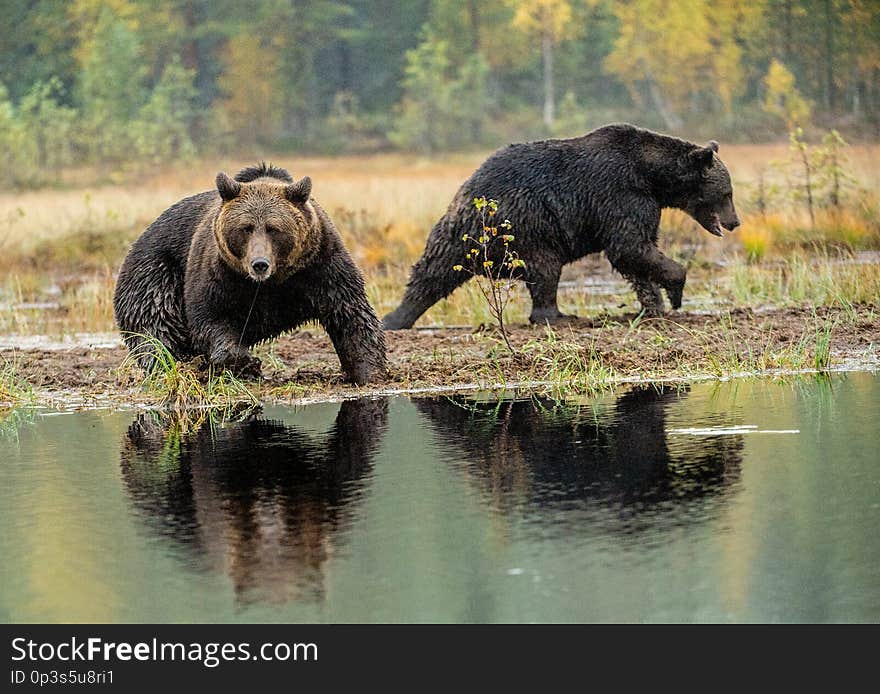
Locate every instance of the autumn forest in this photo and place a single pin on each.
(86, 81)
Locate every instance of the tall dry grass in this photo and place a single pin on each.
(384, 205)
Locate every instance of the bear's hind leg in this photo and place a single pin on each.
(430, 280)
(542, 279)
(148, 307)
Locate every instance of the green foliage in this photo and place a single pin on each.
(833, 176)
(162, 129)
(36, 137)
(348, 128)
(119, 120)
(782, 98)
(818, 175)
(572, 119)
(763, 193)
(820, 281)
(14, 389)
(111, 89)
(568, 365)
(50, 125)
(802, 155)
(442, 108)
(822, 349)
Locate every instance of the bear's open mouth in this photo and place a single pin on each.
(713, 225)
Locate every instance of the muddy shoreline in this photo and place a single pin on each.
(602, 349)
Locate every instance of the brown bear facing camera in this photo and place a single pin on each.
(223, 270)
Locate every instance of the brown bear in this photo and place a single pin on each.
(220, 271)
(568, 198)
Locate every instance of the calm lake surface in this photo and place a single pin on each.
(743, 501)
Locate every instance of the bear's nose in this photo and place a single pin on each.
(734, 224)
(260, 265)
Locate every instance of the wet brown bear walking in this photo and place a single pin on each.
(218, 272)
(567, 198)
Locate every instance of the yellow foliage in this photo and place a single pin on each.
(250, 78)
(860, 17)
(148, 19)
(778, 233)
(846, 227)
(756, 240)
(545, 18)
(729, 21)
(680, 47)
(783, 98)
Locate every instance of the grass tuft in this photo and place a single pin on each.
(569, 366)
(14, 390)
(181, 386)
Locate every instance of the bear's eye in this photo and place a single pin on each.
(271, 230)
(249, 229)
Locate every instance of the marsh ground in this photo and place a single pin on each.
(580, 356)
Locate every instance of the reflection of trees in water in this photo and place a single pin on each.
(540, 454)
(257, 499)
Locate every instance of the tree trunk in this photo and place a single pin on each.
(474, 20)
(474, 17)
(189, 53)
(856, 92)
(549, 107)
(786, 32)
(672, 120)
(830, 97)
(346, 82)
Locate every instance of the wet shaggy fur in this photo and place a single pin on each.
(568, 198)
(223, 270)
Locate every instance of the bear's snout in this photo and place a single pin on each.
(261, 266)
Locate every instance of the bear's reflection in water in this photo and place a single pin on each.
(257, 499)
(616, 463)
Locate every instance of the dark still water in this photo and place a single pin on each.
(745, 501)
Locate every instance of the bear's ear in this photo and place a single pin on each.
(701, 157)
(713, 145)
(227, 188)
(299, 192)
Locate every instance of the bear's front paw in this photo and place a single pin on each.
(365, 374)
(249, 367)
(242, 364)
(544, 317)
(675, 294)
(652, 311)
(396, 320)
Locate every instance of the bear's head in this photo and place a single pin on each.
(266, 228)
(710, 197)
